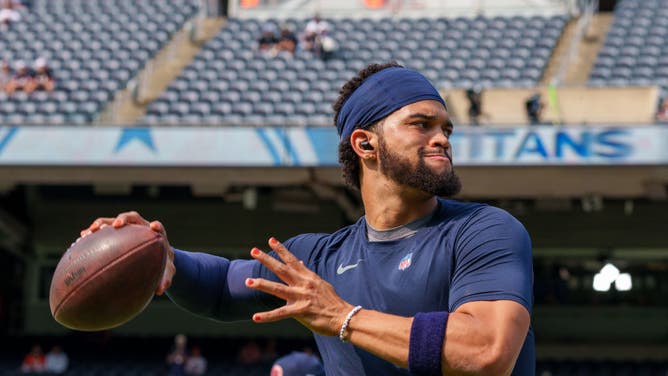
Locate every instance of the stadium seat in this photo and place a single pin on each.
(633, 47)
(94, 48)
(502, 51)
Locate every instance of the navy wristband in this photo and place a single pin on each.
(426, 343)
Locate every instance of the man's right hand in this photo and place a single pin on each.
(133, 217)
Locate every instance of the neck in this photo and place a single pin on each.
(389, 205)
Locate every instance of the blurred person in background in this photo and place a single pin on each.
(474, 96)
(196, 363)
(534, 108)
(298, 363)
(5, 75)
(9, 13)
(287, 40)
(34, 361)
(314, 34)
(662, 112)
(21, 80)
(250, 353)
(42, 78)
(269, 353)
(267, 41)
(177, 356)
(56, 360)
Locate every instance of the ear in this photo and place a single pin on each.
(364, 143)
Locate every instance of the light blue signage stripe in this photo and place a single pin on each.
(262, 132)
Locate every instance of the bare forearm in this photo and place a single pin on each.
(388, 337)
(474, 344)
(470, 346)
(484, 338)
(384, 335)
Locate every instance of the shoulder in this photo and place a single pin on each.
(473, 213)
(312, 245)
(485, 222)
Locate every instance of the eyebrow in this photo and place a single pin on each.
(420, 115)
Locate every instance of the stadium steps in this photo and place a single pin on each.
(130, 104)
(579, 68)
(559, 52)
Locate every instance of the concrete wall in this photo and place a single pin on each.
(576, 105)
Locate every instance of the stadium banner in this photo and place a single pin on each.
(317, 146)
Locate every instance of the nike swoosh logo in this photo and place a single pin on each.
(342, 269)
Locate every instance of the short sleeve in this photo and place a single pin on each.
(305, 247)
(492, 260)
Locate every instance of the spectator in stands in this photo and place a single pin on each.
(34, 361)
(5, 76)
(267, 41)
(315, 38)
(196, 363)
(534, 108)
(298, 363)
(178, 354)
(42, 78)
(9, 13)
(474, 95)
(56, 360)
(287, 40)
(250, 353)
(662, 113)
(21, 80)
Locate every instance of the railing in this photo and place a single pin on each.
(587, 9)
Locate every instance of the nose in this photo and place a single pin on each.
(440, 140)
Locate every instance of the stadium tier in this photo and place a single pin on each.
(93, 49)
(231, 82)
(634, 51)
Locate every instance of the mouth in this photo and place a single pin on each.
(437, 157)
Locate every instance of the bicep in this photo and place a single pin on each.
(507, 321)
(485, 337)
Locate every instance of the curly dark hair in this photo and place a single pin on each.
(347, 157)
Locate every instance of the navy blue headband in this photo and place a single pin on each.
(380, 95)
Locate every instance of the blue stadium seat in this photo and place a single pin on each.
(458, 51)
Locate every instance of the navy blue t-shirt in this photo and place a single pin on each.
(466, 252)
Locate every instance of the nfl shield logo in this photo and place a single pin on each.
(405, 262)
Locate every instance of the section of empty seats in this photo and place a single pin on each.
(92, 48)
(634, 52)
(246, 82)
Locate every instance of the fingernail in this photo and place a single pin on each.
(255, 252)
(273, 241)
(249, 281)
(256, 317)
(117, 222)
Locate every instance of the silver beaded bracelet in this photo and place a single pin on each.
(350, 315)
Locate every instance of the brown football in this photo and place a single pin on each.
(107, 278)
